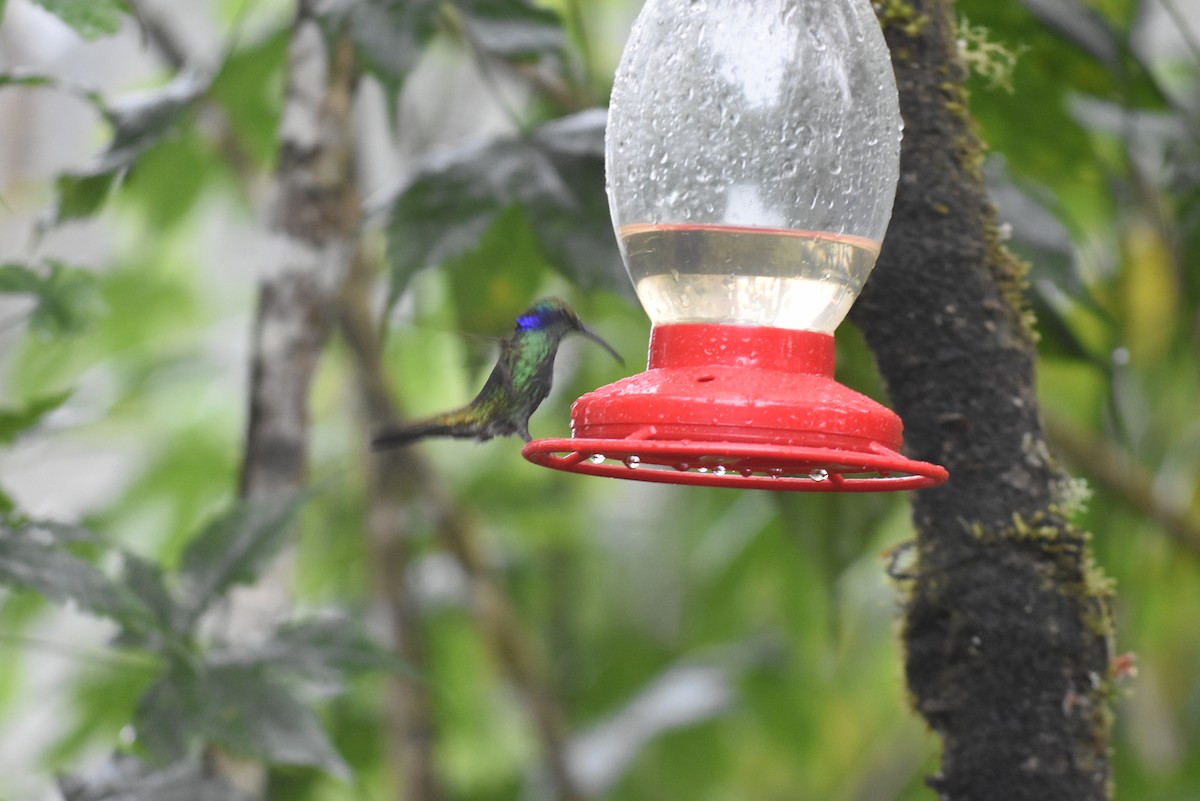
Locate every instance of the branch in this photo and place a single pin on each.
(1123, 476)
(391, 490)
(312, 223)
(1007, 627)
(514, 650)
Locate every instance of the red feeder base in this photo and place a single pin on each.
(737, 406)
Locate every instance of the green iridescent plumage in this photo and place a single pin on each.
(518, 384)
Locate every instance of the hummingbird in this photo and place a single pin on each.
(518, 384)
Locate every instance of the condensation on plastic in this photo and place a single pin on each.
(777, 114)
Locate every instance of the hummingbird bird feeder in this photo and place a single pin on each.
(752, 154)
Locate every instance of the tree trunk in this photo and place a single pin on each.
(313, 223)
(1007, 627)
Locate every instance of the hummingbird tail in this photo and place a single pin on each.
(453, 424)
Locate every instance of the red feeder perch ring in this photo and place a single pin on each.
(737, 406)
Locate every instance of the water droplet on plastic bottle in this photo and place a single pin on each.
(633, 462)
(597, 458)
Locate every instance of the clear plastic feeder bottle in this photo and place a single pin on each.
(752, 155)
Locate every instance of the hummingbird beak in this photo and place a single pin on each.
(592, 335)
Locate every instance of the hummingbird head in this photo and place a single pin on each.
(553, 317)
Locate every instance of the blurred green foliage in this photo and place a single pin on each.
(89, 18)
(620, 587)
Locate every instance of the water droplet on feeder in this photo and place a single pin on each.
(597, 458)
(719, 470)
(820, 474)
(633, 462)
(683, 467)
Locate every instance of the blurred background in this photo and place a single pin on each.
(705, 644)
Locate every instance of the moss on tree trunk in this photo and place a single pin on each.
(1007, 630)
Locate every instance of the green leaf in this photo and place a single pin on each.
(247, 713)
(27, 79)
(433, 222)
(138, 122)
(59, 534)
(170, 714)
(102, 699)
(445, 211)
(1060, 62)
(128, 779)
(34, 80)
(578, 238)
(389, 35)
(81, 195)
(556, 174)
(169, 178)
(321, 650)
(70, 299)
(495, 278)
(248, 88)
(145, 579)
(91, 19)
(512, 28)
(1189, 234)
(19, 279)
(15, 421)
(67, 297)
(30, 558)
(238, 707)
(233, 549)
